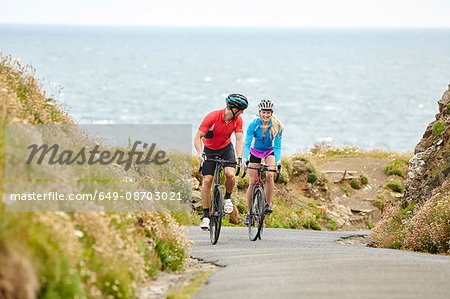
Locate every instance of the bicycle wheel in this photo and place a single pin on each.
(216, 214)
(256, 213)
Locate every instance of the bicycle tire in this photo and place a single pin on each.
(216, 214)
(257, 213)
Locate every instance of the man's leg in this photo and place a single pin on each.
(229, 185)
(206, 200)
(206, 191)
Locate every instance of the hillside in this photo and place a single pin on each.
(74, 255)
(422, 221)
(313, 192)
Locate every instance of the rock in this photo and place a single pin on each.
(356, 219)
(234, 216)
(195, 183)
(197, 206)
(197, 200)
(396, 194)
(299, 167)
(428, 169)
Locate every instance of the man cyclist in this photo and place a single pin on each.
(215, 132)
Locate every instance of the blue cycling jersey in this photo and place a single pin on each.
(255, 132)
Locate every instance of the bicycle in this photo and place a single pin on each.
(257, 207)
(216, 213)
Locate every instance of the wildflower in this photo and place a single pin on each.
(78, 233)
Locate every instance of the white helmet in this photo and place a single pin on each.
(265, 104)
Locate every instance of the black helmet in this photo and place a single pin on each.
(236, 100)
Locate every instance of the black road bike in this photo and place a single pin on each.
(216, 213)
(257, 208)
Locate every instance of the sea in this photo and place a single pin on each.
(371, 88)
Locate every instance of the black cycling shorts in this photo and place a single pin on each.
(254, 159)
(226, 153)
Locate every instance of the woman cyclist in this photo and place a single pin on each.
(266, 131)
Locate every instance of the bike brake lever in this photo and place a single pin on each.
(245, 171)
(278, 173)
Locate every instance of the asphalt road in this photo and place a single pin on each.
(311, 264)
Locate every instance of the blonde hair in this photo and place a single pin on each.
(276, 128)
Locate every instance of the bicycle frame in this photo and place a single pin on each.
(216, 204)
(257, 205)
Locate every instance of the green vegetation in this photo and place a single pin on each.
(325, 151)
(194, 286)
(354, 183)
(332, 225)
(438, 128)
(242, 183)
(302, 213)
(379, 204)
(345, 188)
(439, 169)
(364, 180)
(397, 166)
(297, 157)
(369, 224)
(395, 186)
(312, 178)
(75, 255)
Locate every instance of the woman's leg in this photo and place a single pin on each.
(270, 160)
(251, 183)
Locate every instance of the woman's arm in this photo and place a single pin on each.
(277, 148)
(248, 140)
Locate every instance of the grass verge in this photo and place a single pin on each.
(195, 285)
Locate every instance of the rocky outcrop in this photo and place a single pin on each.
(430, 166)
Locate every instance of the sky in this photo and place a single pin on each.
(230, 13)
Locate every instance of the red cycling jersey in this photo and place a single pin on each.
(217, 131)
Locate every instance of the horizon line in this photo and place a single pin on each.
(223, 26)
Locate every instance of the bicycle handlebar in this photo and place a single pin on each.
(264, 168)
(217, 160)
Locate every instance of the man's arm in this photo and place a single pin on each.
(198, 145)
(239, 144)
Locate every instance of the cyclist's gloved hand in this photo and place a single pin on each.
(279, 167)
(200, 158)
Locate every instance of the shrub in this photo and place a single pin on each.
(242, 183)
(312, 178)
(312, 223)
(379, 204)
(364, 180)
(396, 167)
(429, 229)
(286, 166)
(354, 183)
(311, 169)
(332, 225)
(389, 231)
(283, 178)
(345, 189)
(438, 128)
(241, 208)
(369, 224)
(395, 186)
